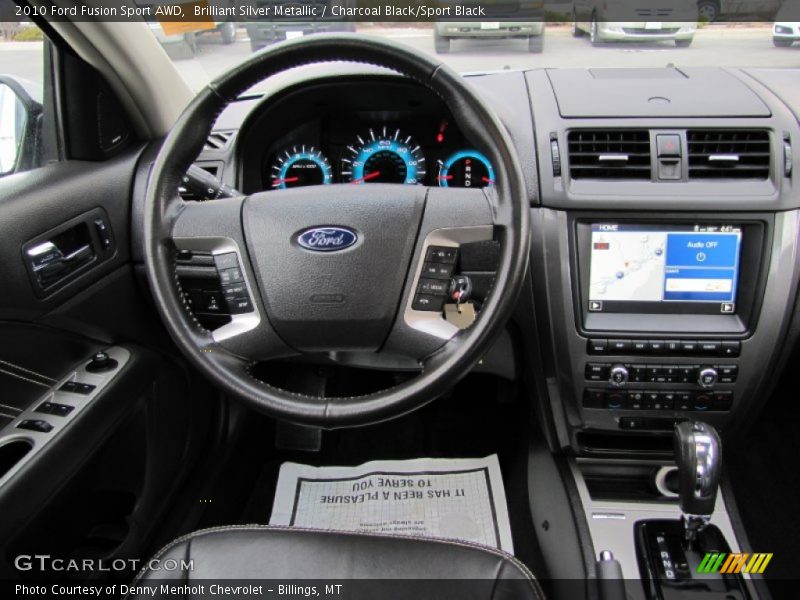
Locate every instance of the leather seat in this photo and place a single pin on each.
(417, 567)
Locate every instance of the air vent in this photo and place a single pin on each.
(728, 153)
(609, 154)
(218, 140)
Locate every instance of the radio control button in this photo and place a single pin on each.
(672, 346)
(672, 373)
(653, 372)
(618, 375)
(597, 346)
(730, 348)
(596, 371)
(689, 347)
(638, 373)
(657, 346)
(640, 346)
(687, 374)
(709, 348)
(619, 346)
(728, 373)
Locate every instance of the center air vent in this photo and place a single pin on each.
(609, 154)
(728, 153)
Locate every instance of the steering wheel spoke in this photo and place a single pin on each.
(453, 217)
(210, 233)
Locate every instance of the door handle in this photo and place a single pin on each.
(50, 264)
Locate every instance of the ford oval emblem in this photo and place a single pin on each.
(327, 239)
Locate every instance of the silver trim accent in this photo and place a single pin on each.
(616, 535)
(434, 323)
(707, 455)
(241, 323)
(723, 158)
(613, 158)
(37, 439)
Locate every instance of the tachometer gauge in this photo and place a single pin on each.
(466, 168)
(384, 157)
(300, 166)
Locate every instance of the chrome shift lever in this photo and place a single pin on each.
(698, 454)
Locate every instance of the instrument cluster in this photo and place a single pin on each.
(384, 152)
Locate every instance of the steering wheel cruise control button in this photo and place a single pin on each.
(232, 275)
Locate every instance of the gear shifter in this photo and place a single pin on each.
(698, 454)
(670, 552)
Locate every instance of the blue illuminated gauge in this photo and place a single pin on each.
(466, 168)
(300, 166)
(384, 157)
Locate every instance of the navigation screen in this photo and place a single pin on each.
(649, 263)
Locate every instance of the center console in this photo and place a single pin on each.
(665, 266)
(665, 307)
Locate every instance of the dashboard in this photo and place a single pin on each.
(664, 261)
(359, 133)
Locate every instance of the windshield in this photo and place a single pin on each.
(505, 34)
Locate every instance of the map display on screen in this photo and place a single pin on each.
(647, 263)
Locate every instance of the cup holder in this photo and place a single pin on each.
(12, 452)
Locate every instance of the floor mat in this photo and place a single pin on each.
(430, 497)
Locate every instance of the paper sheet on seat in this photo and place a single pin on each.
(431, 497)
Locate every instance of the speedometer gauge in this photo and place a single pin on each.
(300, 166)
(384, 157)
(466, 168)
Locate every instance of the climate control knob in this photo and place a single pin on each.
(707, 377)
(618, 375)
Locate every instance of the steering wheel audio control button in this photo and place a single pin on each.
(437, 270)
(428, 302)
(432, 286)
(442, 254)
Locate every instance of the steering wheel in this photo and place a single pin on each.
(334, 268)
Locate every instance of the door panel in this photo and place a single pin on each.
(40, 202)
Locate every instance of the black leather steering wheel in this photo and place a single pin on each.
(293, 299)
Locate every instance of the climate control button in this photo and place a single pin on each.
(707, 377)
